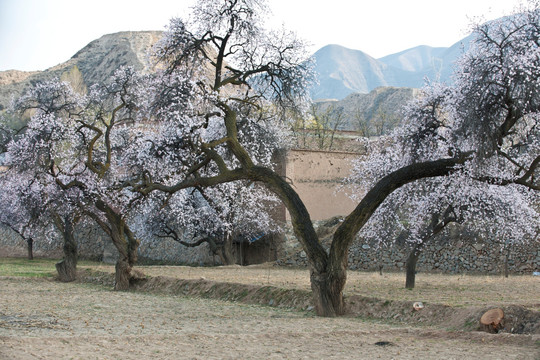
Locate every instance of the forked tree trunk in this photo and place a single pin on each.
(67, 267)
(326, 282)
(329, 269)
(327, 292)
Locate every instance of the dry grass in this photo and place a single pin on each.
(444, 289)
(44, 319)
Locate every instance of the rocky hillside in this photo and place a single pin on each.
(373, 113)
(342, 72)
(94, 63)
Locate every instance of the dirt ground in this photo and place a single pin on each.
(445, 289)
(45, 319)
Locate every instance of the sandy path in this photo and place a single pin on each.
(43, 319)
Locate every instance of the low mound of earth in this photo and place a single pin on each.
(41, 318)
(518, 319)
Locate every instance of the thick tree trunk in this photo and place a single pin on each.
(328, 293)
(410, 266)
(227, 254)
(122, 274)
(67, 268)
(125, 242)
(127, 247)
(30, 248)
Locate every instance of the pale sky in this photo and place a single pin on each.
(38, 34)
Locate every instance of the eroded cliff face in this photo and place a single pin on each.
(95, 63)
(14, 76)
(99, 60)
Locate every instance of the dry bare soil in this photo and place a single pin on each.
(216, 313)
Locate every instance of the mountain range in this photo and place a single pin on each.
(341, 71)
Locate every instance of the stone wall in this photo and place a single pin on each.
(168, 251)
(452, 253)
(94, 244)
(90, 239)
(448, 254)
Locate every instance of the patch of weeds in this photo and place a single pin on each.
(470, 324)
(243, 294)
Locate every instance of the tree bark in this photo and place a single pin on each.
(30, 248)
(435, 226)
(67, 267)
(327, 291)
(225, 251)
(410, 266)
(127, 246)
(125, 242)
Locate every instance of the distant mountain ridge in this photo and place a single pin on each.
(343, 71)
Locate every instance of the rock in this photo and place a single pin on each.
(478, 247)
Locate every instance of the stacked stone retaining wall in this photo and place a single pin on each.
(448, 254)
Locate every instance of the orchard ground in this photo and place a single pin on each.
(257, 312)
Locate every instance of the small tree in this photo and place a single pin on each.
(326, 123)
(72, 144)
(215, 216)
(30, 204)
(361, 124)
(419, 211)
